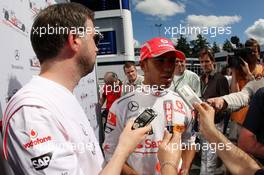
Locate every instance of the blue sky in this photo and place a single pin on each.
(243, 18)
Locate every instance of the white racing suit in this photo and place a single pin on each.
(47, 132)
(167, 104)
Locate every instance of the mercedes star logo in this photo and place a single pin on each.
(133, 106)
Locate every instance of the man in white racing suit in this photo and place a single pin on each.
(157, 60)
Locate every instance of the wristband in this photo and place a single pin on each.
(170, 163)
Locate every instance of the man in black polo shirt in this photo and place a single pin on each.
(251, 137)
(212, 85)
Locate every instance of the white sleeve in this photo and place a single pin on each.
(113, 129)
(237, 100)
(37, 144)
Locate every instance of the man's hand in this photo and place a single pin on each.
(129, 138)
(206, 118)
(218, 103)
(170, 147)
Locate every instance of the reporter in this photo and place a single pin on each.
(237, 161)
(248, 70)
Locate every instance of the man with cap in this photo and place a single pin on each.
(183, 76)
(157, 60)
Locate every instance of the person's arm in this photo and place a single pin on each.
(128, 141)
(248, 142)
(235, 101)
(102, 100)
(169, 153)
(127, 170)
(187, 158)
(237, 161)
(245, 68)
(252, 126)
(234, 87)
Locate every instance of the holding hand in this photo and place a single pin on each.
(206, 118)
(169, 153)
(218, 103)
(129, 138)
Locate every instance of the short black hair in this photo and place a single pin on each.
(129, 64)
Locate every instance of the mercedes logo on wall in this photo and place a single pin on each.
(133, 106)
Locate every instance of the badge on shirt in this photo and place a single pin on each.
(41, 162)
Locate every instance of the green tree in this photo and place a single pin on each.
(227, 46)
(215, 48)
(198, 44)
(183, 46)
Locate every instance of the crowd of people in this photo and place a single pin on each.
(45, 130)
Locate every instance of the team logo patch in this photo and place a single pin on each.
(179, 107)
(41, 162)
(133, 106)
(167, 106)
(108, 129)
(111, 119)
(33, 134)
(178, 128)
(111, 122)
(35, 140)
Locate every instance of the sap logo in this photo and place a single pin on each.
(148, 143)
(152, 143)
(41, 162)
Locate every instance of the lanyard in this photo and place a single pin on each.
(177, 82)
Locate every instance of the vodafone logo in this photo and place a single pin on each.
(35, 140)
(33, 134)
(38, 141)
(111, 119)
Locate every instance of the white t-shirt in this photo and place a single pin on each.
(188, 77)
(167, 104)
(46, 132)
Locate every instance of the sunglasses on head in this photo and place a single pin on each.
(97, 38)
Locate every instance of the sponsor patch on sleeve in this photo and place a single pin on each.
(41, 162)
(111, 119)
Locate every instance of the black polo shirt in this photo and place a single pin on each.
(216, 86)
